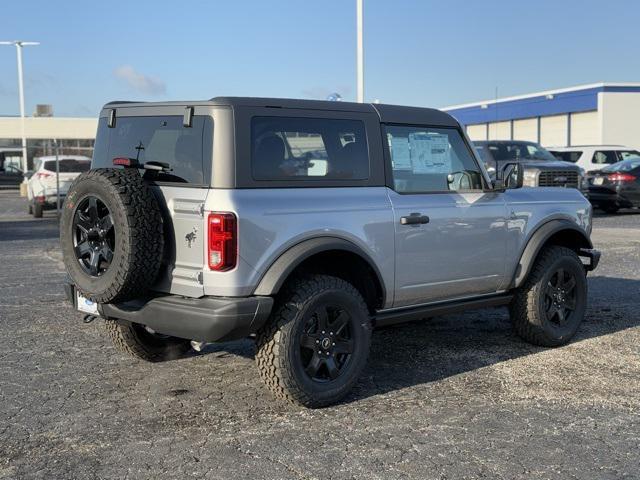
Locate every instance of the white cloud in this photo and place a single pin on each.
(139, 81)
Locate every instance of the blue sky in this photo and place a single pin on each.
(417, 52)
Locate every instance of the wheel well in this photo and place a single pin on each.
(350, 267)
(568, 238)
(564, 237)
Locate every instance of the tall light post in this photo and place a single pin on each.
(19, 44)
(360, 52)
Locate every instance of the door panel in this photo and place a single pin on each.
(459, 253)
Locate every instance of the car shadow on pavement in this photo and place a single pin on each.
(441, 347)
(434, 349)
(41, 229)
(619, 213)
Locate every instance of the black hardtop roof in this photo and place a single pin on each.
(387, 113)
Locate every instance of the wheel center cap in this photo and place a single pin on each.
(325, 343)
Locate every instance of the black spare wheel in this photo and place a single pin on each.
(111, 235)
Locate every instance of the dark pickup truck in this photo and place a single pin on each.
(541, 168)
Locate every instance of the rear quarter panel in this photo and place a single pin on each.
(270, 221)
(530, 208)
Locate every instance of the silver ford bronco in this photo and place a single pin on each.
(305, 225)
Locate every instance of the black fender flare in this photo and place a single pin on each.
(537, 241)
(281, 268)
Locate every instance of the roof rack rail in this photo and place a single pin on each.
(123, 101)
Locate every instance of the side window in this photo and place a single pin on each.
(156, 139)
(287, 148)
(431, 160)
(624, 154)
(604, 157)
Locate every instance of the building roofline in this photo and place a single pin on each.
(575, 88)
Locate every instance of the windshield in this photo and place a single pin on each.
(624, 166)
(572, 157)
(502, 151)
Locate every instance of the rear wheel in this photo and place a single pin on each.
(37, 210)
(610, 208)
(145, 344)
(548, 309)
(316, 343)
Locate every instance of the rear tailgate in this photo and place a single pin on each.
(185, 237)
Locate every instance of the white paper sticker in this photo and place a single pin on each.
(400, 153)
(430, 153)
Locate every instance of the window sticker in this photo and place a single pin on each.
(400, 153)
(430, 152)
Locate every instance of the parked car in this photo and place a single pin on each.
(541, 169)
(616, 186)
(182, 233)
(593, 157)
(10, 167)
(42, 186)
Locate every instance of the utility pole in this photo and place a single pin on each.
(19, 44)
(360, 52)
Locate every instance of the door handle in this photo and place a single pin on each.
(414, 219)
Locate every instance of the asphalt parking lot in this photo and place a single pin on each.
(449, 398)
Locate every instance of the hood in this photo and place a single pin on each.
(544, 164)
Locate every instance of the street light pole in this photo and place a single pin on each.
(19, 44)
(360, 52)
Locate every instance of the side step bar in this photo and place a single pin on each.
(409, 314)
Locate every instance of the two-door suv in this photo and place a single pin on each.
(306, 224)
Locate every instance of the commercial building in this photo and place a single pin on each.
(74, 135)
(595, 114)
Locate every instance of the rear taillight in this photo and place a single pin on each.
(41, 175)
(222, 250)
(621, 177)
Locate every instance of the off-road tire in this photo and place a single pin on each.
(139, 242)
(138, 342)
(527, 308)
(278, 341)
(37, 210)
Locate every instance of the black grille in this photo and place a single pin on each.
(558, 178)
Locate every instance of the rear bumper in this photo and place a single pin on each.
(609, 197)
(206, 319)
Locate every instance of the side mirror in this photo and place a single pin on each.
(510, 176)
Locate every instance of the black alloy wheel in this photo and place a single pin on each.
(93, 236)
(326, 345)
(560, 297)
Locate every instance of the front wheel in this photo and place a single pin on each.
(316, 343)
(140, 342)
(548, 309)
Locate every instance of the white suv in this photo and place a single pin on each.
(593, 157)
(42, 186)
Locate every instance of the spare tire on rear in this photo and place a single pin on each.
(111, 235)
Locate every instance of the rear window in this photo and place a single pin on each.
(624, 154)
(68, 165)
(572, 157)
(286, 148)
(159, 139)
(603, 157)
